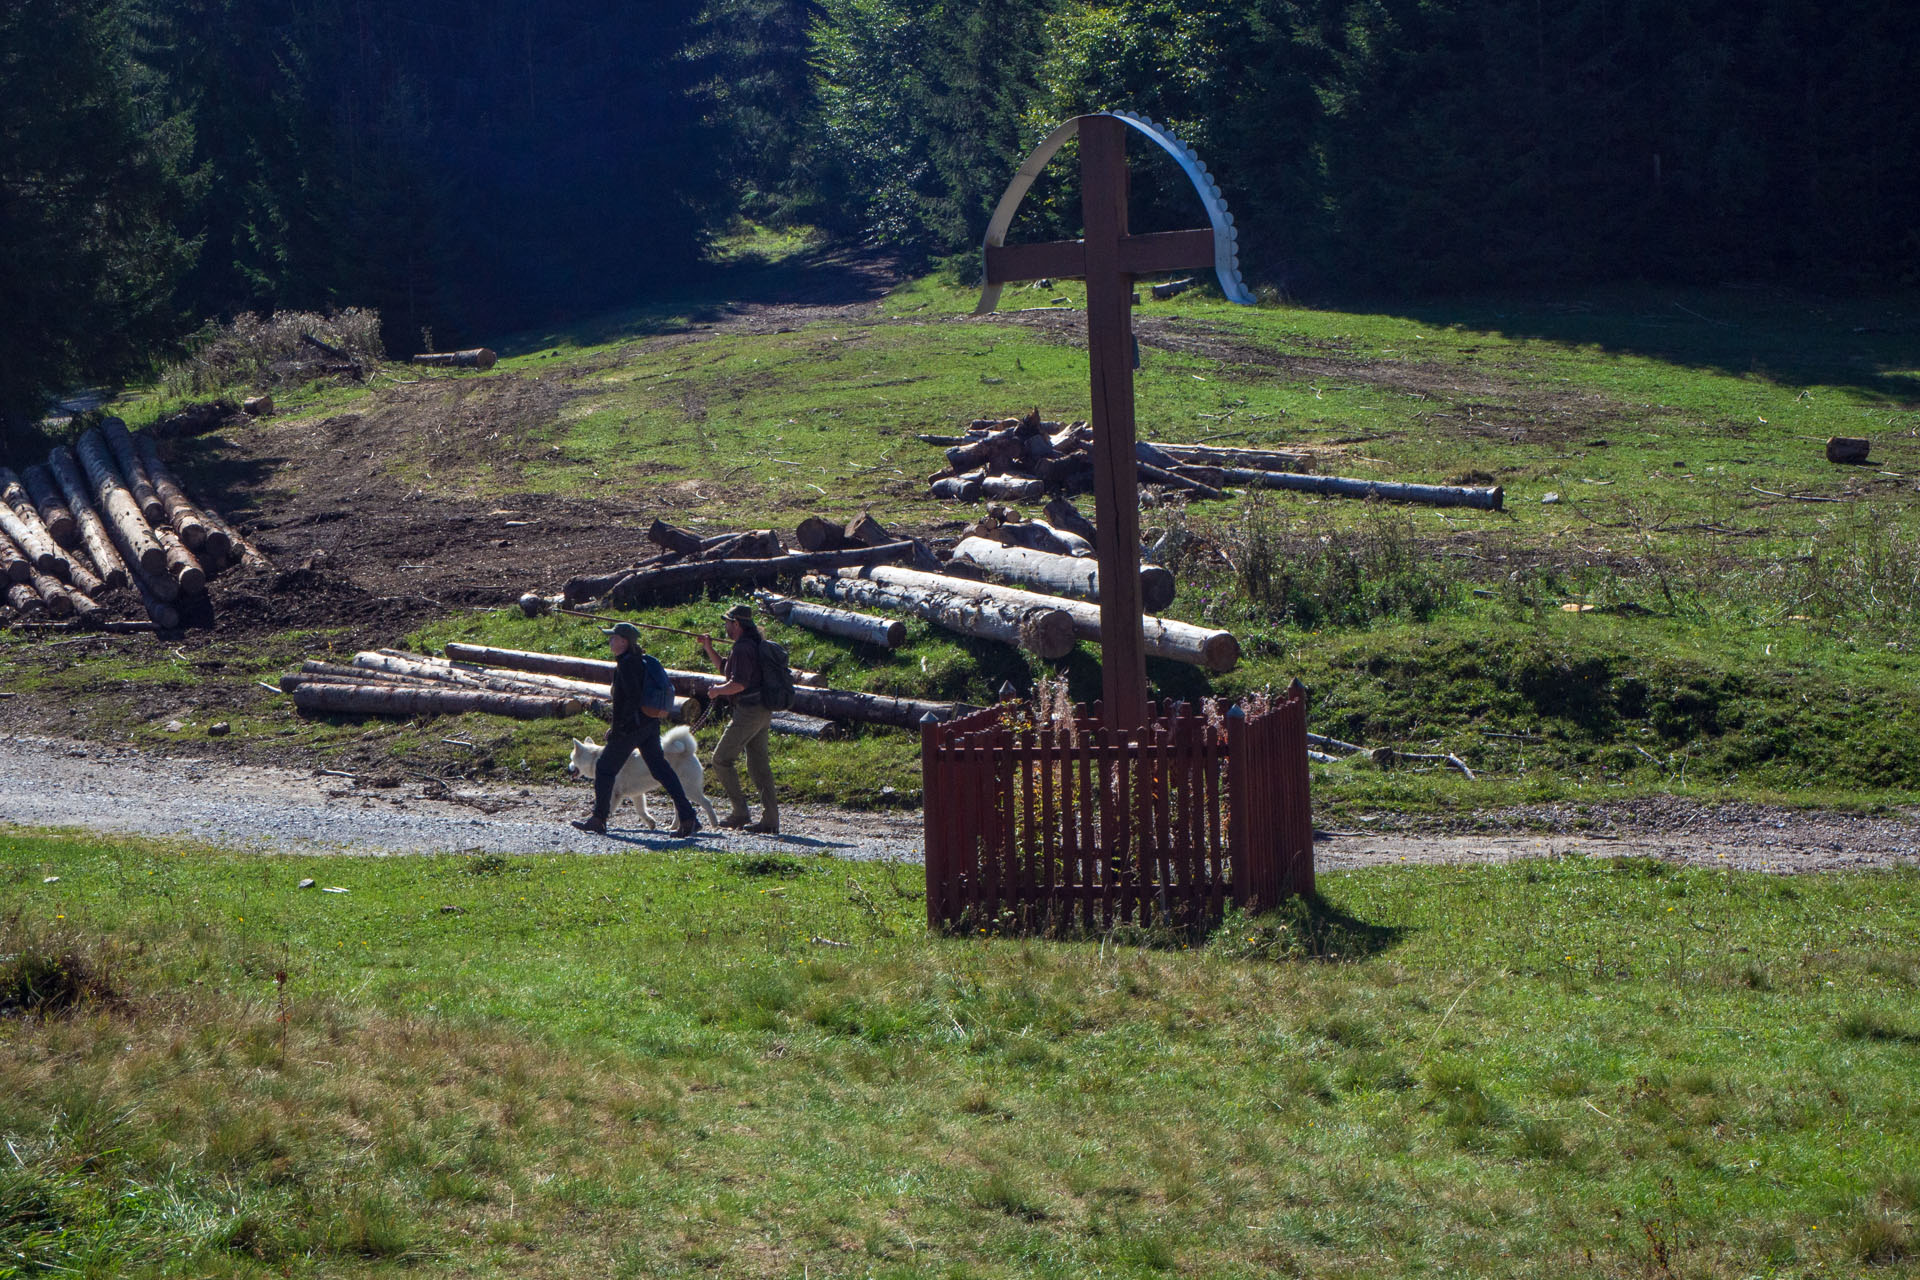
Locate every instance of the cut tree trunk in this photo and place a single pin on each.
(181, 512)
(82, 578)
(133, 470)
(157, 594)
(347, 698)
(477, 358)
(684, 541)
(54, 513)
(1038, 628)
(1848, 449)
(1150, 474)
(1076, 576)
(816, 534)
(1432, 495)
(132, 534)
(1067, 519)
(59, 603)
(15, 566)
(642, 587)
(25, 600)
(182, 565)
(883, 633)
(868, 532)
(21, 522)
(93, 533)
(1217, 651)
(1247, 459)
(964, 488)
(592, 586)
(238, 548)
(794, 725)
(1038, 535)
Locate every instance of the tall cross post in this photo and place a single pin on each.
(1108, 259)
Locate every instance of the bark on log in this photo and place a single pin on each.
(958, 488)
(868, 532)
(54, 513)
(133, 470)
(754, 544)
(21, 522)
(157, 594)
(816, 534)
(884, 633)
(59, 603)
(93, 533)
(1432, 495)
(25, 600)
(182, 565)
(698, 573)
(238, 548)
(477, 358)
(1002, 446)
(404, 700)
(181, 512)
(1150, 474)
(1217, 651)
(1012, 488)
(426, 668)
(592, 586)
(1848, 449)
(1075, 576)
(685, 541)
(1037, 535)
(793, 724)
(82, 578)
(594, 671)
(1172, 288)
(1067, 518)
(1247, 459)
(1040, 629)
(133, 537)
(872, 708)
(16, 566)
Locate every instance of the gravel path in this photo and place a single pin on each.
(50, 782)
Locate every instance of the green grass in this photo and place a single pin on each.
(660, 1064)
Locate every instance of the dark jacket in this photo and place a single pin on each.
(629, 691)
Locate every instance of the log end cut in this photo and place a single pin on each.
(1048, 633)
(1221, 652)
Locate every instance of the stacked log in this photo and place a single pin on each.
(1041, 629)
(54, 513)
(13, 565)
(21, 521)
(366, 698)
(186, 518)
(132, 535)
(882, 633)
(93, 534)
(1075, 576)
(1216, 651)
(133, 470)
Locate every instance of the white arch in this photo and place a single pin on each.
(1226, 246)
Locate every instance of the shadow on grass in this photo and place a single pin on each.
(1869, 344)
(1306, 927)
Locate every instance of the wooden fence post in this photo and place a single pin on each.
(1239, 802)
(934, 801)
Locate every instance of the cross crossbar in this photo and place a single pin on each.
(1067, 259)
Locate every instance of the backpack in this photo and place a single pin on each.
(656, 688)
(776, 677)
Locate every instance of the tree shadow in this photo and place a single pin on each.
(1869, 344)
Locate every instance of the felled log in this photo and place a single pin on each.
(1038, 628)
(597, 695)
(868, 532)
(21, 522)
(1172, 288)
(52, 594)
(1432, 495)
(1848, 449)
(1150, 474)
(1247, 459)
(816, 534)
(1067, 519)
(1217, 651)
(1038, 535)
(673, 538)
(157, 593)
(25, 600)
(93, 533)
(477, 358)
(640, 587)
(133, 470)
(872, 708)
(884, 633)
(1075, 576)
(1000, 447)
(260, 406)
(754, 544)
(794, 725)
(182, 514)
(238, 548)
(82, 578)
(182, 565)
(15, 567)
(346, 698)
(54, 512)
(131, 533)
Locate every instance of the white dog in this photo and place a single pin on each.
(634, 779)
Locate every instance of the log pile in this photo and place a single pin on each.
(1027, 459)
(106, 518)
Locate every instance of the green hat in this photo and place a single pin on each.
(741, 613)
(627, 629)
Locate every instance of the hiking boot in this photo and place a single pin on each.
(765, 827)
(596, 826)
(738, 818)
(689, 823)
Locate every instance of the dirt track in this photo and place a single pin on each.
(49, 782)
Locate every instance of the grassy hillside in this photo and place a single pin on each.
(1682, 594)
(670, 1065)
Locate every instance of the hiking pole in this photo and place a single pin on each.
(644, 626)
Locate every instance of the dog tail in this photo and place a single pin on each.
(679, 741)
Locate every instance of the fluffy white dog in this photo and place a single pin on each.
(634, 779)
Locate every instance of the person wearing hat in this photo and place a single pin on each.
(642, 700)
(748, 730)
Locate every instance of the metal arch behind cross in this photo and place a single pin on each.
(1108, 259)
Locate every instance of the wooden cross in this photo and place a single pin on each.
(1108, 259)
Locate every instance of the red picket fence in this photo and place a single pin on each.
(1037, 828)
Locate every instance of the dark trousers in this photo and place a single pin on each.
(645, 740)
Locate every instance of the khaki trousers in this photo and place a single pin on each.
(747, 732)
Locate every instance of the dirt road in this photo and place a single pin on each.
(50, 782)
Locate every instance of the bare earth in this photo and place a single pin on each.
(51, 782)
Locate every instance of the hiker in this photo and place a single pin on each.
(751, 724)
(642, 699)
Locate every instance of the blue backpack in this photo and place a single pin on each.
(656, 689)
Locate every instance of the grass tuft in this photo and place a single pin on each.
(1872, 1024)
